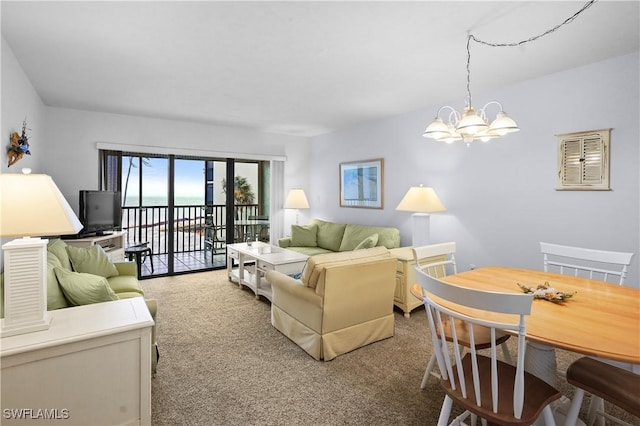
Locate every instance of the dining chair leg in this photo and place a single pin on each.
(548, 416)
(429, 371)
(445, 411)
(574, 409)
(596, 404)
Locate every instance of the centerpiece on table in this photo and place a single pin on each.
(546, 292)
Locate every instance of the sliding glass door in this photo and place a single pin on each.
(187, 209)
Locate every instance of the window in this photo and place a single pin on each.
(583, 160)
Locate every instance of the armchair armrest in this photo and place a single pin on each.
(127, 268)
(292, 288)
(284, 242)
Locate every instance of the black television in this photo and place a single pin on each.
(100, 211)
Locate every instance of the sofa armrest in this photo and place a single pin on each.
(127, 268)
(284, 242)
(292, 287)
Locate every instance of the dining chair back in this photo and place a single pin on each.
(601, 265)
(445, 255)
(438, 260)
(483, 385)
(596, 264)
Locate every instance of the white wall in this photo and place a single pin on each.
(74, 135)
(501, 196)
(20, 101)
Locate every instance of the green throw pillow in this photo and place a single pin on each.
(84, 289)
(58, 248)
(368, 242)
(55, 297)
(304, 236)
(92, 260)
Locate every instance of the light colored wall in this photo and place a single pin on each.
(500, 196)
(74, 135)
(20, 101)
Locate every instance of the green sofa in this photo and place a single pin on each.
(321, 236)
(80, 276)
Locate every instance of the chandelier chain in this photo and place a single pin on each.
(514, 44)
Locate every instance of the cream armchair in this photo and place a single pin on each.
(342, 302)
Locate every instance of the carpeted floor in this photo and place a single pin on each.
(222, 363)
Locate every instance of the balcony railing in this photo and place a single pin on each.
(151, 224)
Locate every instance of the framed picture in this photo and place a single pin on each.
(362, 184)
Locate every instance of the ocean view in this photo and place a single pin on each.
(150, 201)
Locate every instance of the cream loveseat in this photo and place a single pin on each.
(343, 301)
(320, 236)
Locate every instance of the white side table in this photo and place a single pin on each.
(92, 366)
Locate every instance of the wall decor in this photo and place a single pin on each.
(583, 161)
(19, 145)
(362, 184)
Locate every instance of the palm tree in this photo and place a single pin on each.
(145, 162)
(242, 192)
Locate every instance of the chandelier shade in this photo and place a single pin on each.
(470, 125)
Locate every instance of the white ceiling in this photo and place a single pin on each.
(300, 68)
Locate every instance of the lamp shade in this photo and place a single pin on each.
(296, 199)
(421, 199)
(32, 205)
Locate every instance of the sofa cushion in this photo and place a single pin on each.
(83, 289)
(330, 234)
(91, 260)
(55, 297)
(304, 235)
(58, 248)
(315, 264)
(368, 242)
(125, 284)
(354, 234)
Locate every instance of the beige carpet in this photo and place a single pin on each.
(222, 363)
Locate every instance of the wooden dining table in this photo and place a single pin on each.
(601, 319)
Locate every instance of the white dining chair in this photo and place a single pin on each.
(595, 264)
(603, 265)
(483, 386)
(445, 264)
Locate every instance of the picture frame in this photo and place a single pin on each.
(362, 184)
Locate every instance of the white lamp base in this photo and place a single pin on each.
(25, 287)
(421, 226)
(42, 324)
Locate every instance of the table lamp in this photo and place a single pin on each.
(296, 199)
(30, 206)
(421, 200)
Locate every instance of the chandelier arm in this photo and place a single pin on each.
(482, 110)
(456, 114)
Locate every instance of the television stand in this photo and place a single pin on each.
(113, 244)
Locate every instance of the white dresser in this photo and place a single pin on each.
(92, 366)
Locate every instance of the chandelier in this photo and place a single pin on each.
(471, 125)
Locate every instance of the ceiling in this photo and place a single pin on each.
(298, 67)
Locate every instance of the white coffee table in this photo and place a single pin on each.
(255, 259)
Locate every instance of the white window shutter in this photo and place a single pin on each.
(583, 160)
